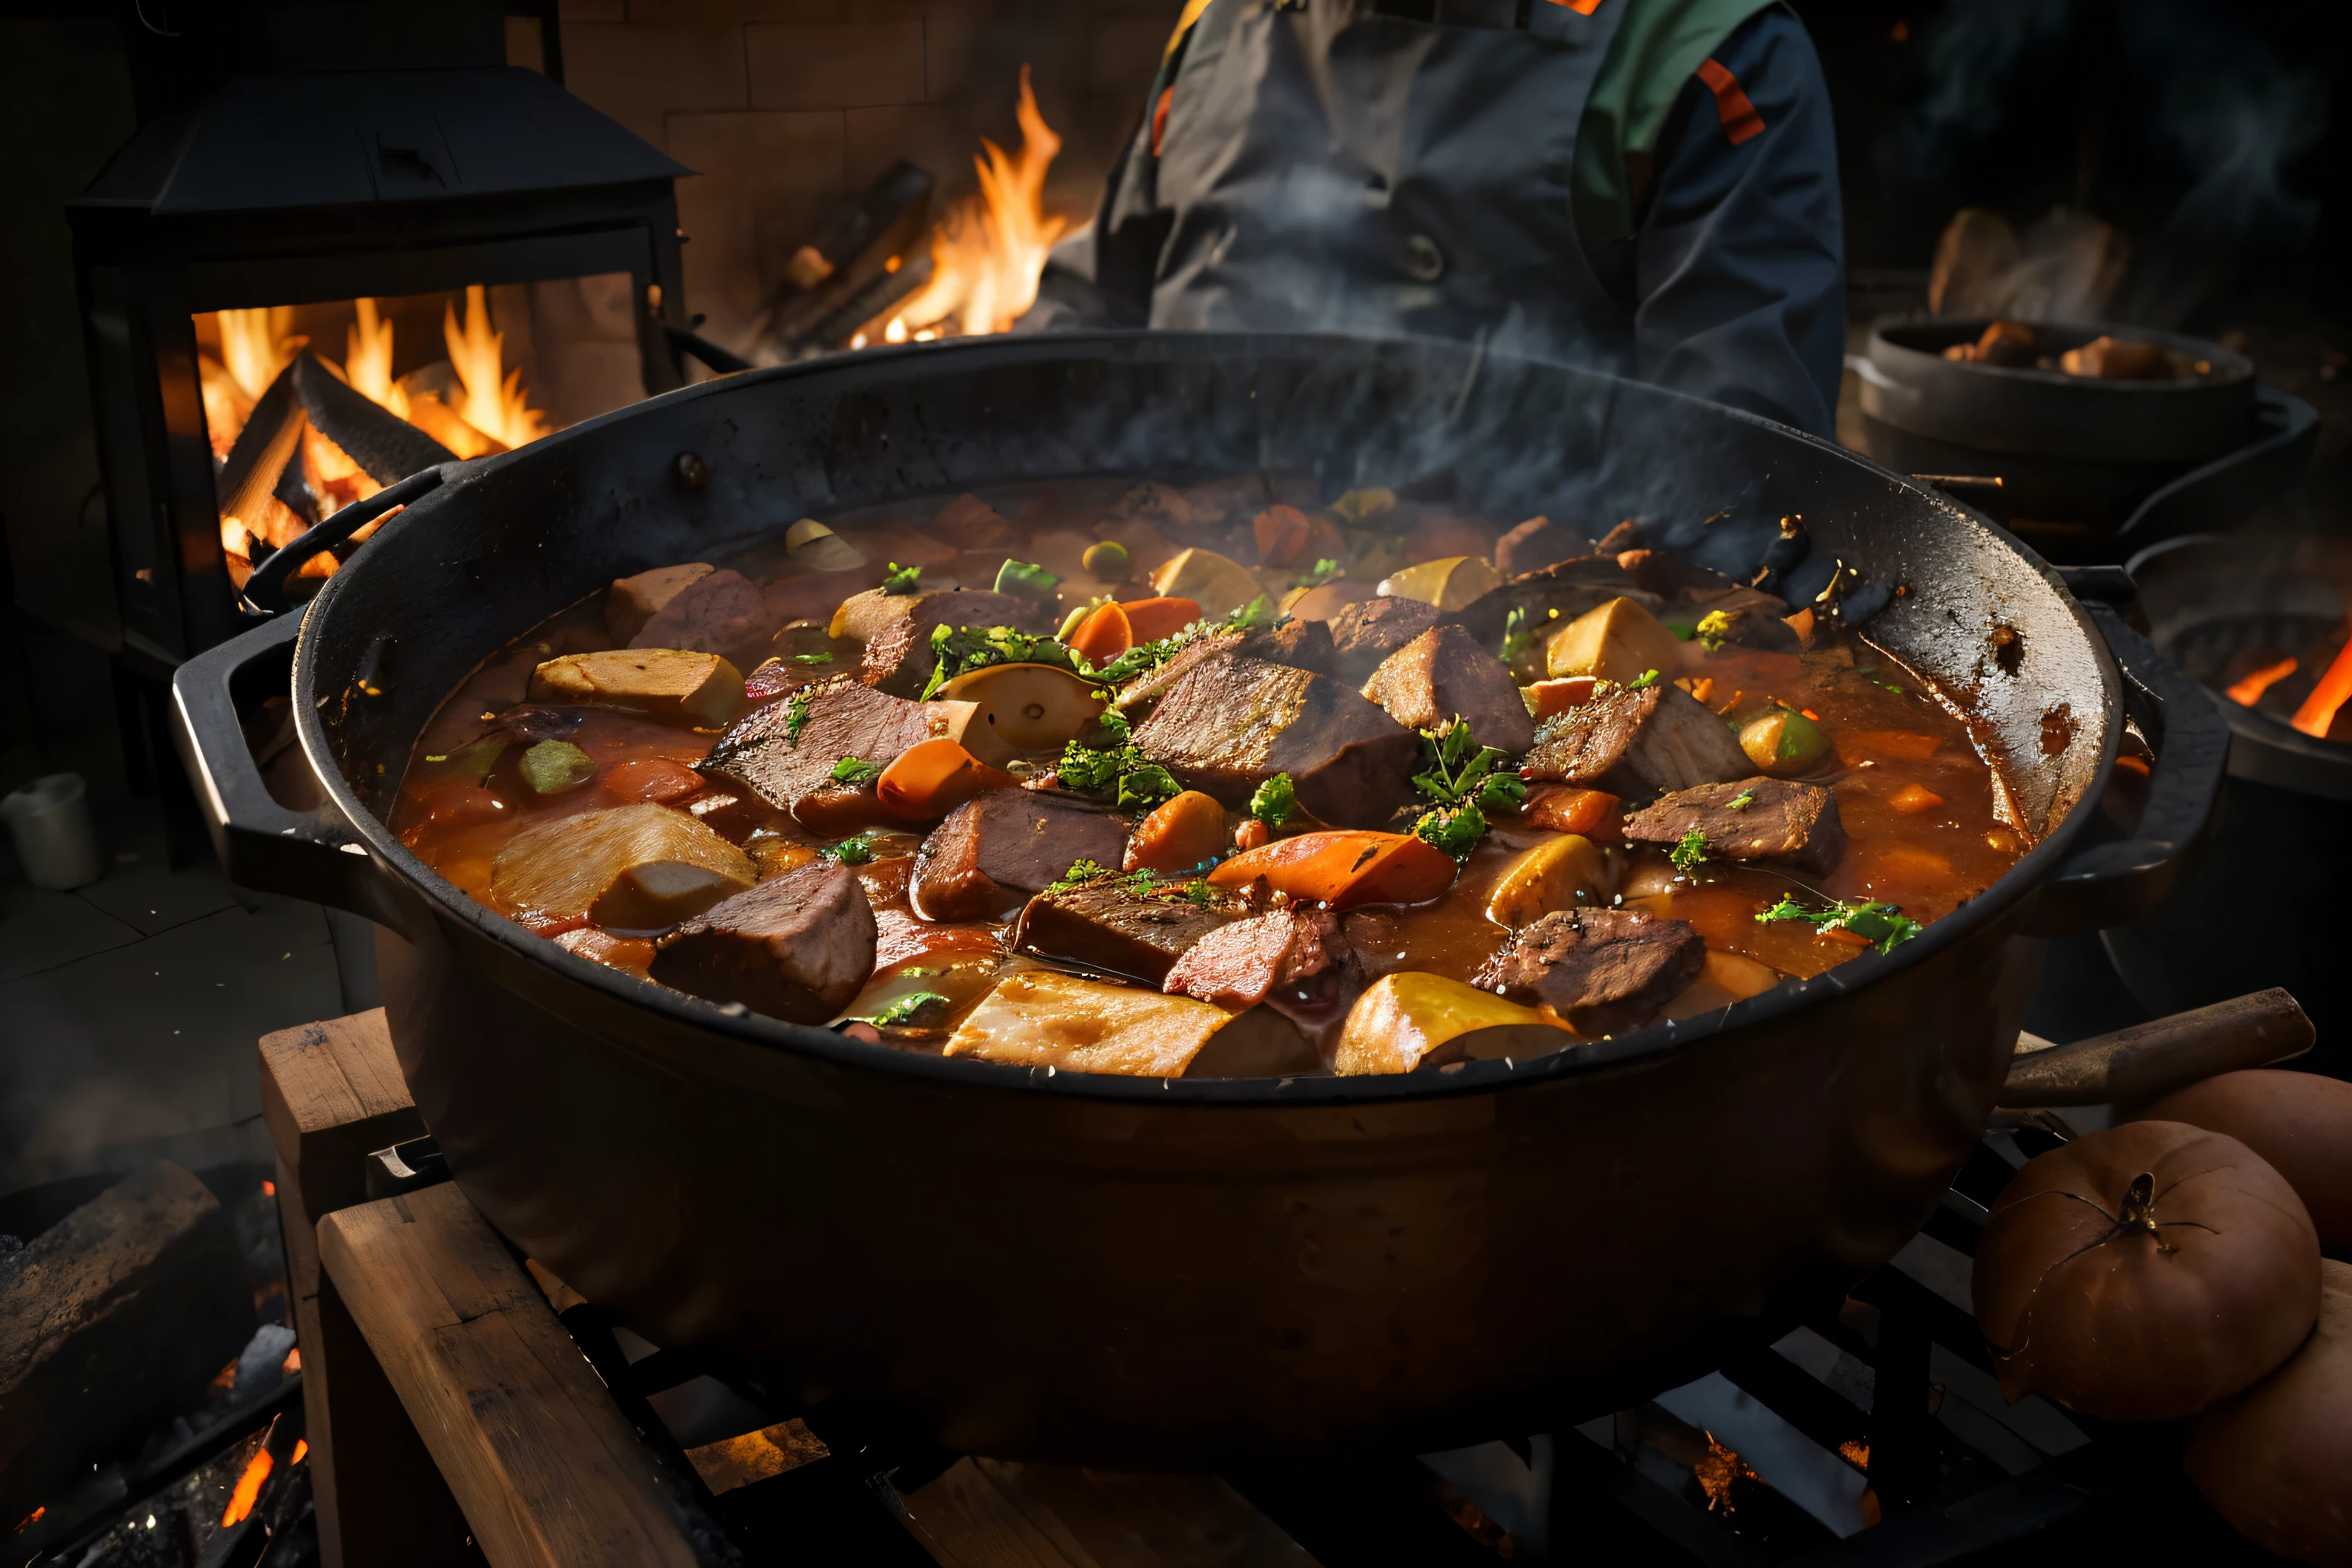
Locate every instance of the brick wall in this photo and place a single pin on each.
(785, 106)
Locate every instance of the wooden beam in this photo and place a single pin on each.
(531, 1445)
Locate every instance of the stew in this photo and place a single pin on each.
(1217, 780)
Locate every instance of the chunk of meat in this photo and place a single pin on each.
(1364, 635)
(1124, 925)
(684, 687)
(1141, 696)
(1444, 673)
(896, 629)
(1235, 722)
(1304, 643)
(1536, 545)
(720, 612)
(630, 602)
(991, 853)
(796, 947)
(1551, 596)
(840, 719)
(1604, 970)
(1750, 819)
(1637, 743)
(1293, 960)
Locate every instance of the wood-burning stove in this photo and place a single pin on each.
(317, 191)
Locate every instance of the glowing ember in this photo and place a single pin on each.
(293, 1361)
(367, 360)
(268, 1189)
(498, 408)
(1855, 1454)
(988, 253)
(1716, 1473)
(2249, 692)
(2317, 713)
(32, 1518)
(301, 1446)
(249, 1487)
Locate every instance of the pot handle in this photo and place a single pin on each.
(262, 844)
(2156, 1058)
(2106, 883)
(264, 590)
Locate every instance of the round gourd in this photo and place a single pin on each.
(1028, 707)
(2298, 1121)
(2276, 1461)
(2142, 1273)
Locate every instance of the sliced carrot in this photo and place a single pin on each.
(1103, 635)
(1282, 534)
(1901, 744)
(652, 778)
(1178, 836)
(1914, 799)
(1344, 869)
(1590, 812)
(933, 777)
(1841, 935)
(1559, 696)
(1152, 619)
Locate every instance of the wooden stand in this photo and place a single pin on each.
(466, 1425)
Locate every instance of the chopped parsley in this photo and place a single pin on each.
(901, 580)
(555, 765)
(1324, 570)
(1713, 628)
(1080, 871)
(853, 851)
(1689, 852)
(796, 715)
(1647, 678)
(1145, 658)
(1457, 770)
(1516, 636)
(812, 659)
(960, 648)
(1027, 581)
(915, 1008)
(1456, 830)
(1275, 801)
(1118, 770)
(1881, 923)
(1141, 789)
(856, 773)
(1741, 801)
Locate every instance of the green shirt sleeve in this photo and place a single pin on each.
(1658, 47)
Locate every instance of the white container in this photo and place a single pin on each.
(49, 821)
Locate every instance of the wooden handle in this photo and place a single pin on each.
(2153, 1058)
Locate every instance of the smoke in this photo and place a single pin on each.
(1967, 61)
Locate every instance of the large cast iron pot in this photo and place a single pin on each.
(1163, 1272)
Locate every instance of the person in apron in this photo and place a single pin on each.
(1645, 186)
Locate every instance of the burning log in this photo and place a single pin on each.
(123, 1307)
(854, 255)
(386, 447)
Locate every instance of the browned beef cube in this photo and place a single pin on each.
(1141, 696)
(720, 612)
(1550, 596)
(1536, 545)
(1124, 925)
(1443, 673)
(1751, 819)
(1602, 970)
(844, 720)
(1304, 643)
(1235, 722)
(1364, 635)
(898, 630)
(993, 852)
(1637, 743)
(796, 947)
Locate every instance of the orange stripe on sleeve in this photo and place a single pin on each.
(1581, 7)
(1739, 118)
(1160, 117)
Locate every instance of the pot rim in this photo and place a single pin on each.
(446, 902)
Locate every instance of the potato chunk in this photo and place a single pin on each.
(1218, 584)
(1619, 641)
(1446, 584)
(630, 602)
(668, 683)
(1044, 1019)
(1411, 1020)
(1557, 874)
(566, 865)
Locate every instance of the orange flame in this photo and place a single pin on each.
(988, 253)
(256, 345)
(249, 1487)
(499, 409)
(2249, 692)
(367, 360)
(2317, 713)
(1717, 1472)
(301, 1446)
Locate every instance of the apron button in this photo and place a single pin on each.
(1423, 258)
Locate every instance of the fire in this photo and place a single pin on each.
(249, 1487)
(257, 345)
(367, 360)
(1717, 1472)
(497, 409)
(2249, 692)
(988, 253)
(301, 1446)
(2318, 714)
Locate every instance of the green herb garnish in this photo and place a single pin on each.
(1029, 581)
(1647, 678)
(796, 715)
(1689, 852)
(856, 773)
(1080, 871)
(914, 1007)
(812, 659)
(901, 580)
(1741, 801)
(1145, 787)
(1881, 923)
(1457, 830)
(1516, 636)
(853, 851)
(555, 765)
(1324, 570)
(961, 648)
(1457, 770)
(1713, 627)
(1274, 800)
(1145, 658)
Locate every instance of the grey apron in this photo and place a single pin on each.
(1332, 164)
